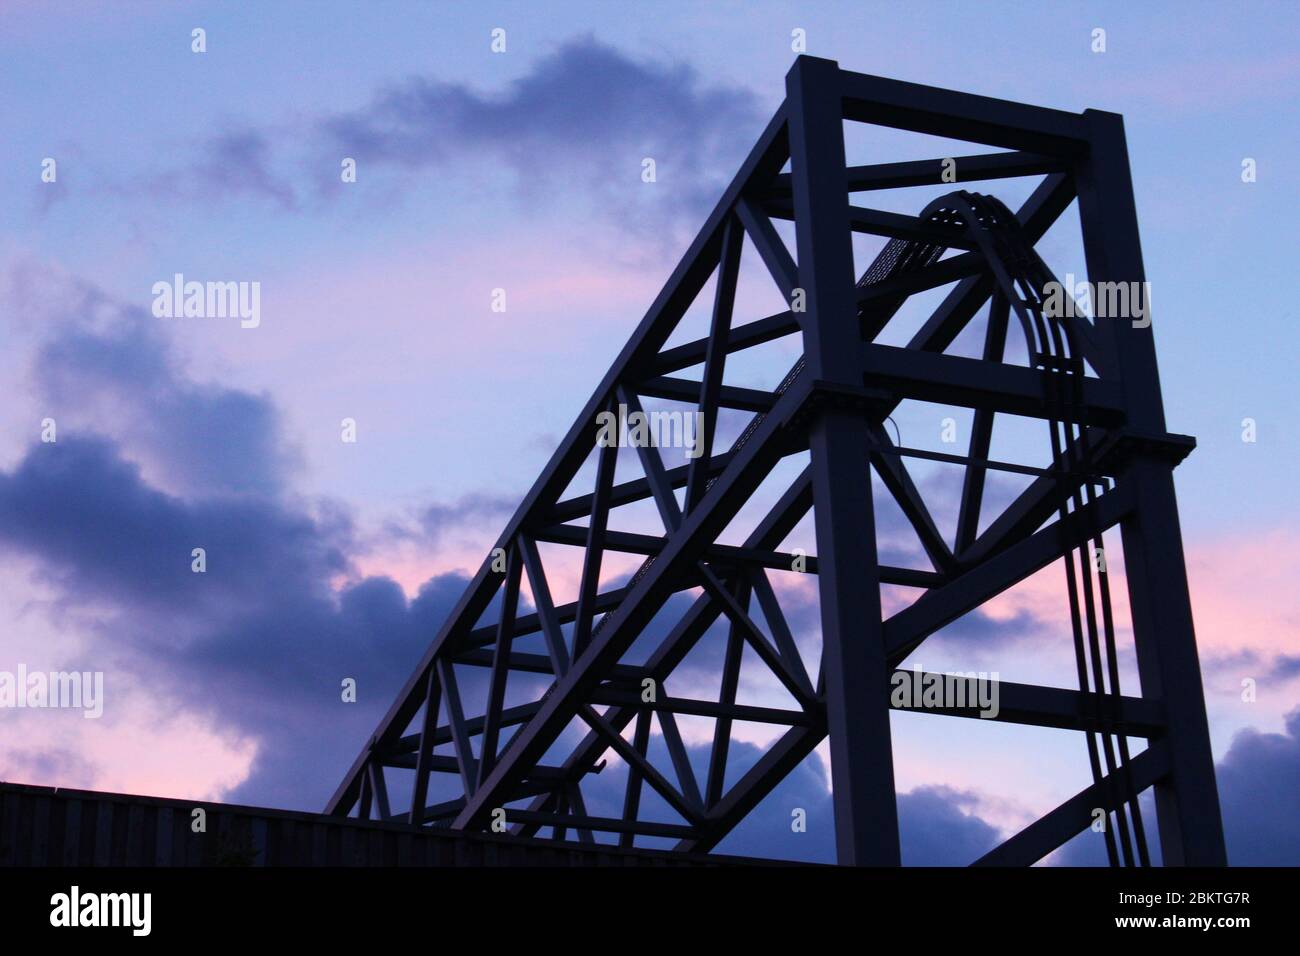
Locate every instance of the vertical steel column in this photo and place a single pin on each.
(855, 671)
(1187, 801)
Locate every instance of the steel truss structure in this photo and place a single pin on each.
(1092, 382)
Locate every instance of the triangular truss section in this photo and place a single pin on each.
(514, 707)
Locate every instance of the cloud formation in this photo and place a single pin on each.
(1259, 787)
(99, 366)
(260, 641)
(1259, 795)
(149, 465)
(586, 109)
(578, 126)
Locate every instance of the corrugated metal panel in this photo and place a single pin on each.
(47, 826)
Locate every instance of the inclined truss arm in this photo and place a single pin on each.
(831, 405)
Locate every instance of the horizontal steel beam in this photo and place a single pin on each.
(965, 116)
(648, 544)
(527, 663)
(974, 383)
(702, 708)
(878, 222)
(903, 451)
(930, 172)
(1037, 706)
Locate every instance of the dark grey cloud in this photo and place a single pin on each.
(938, 826)
(585, 117)
(105, 367)
(260, 642)
(239, 162)
(1273, 669)
(80, 506)
(149, 465)
(575, 127)
(1285, 667)
(1259, 787)
(1259, 794)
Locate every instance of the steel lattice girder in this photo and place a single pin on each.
(831, 406)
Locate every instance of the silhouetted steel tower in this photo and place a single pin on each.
(579, 695)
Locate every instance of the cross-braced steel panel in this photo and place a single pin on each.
(544, 719)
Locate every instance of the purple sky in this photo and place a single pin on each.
(522, 171)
